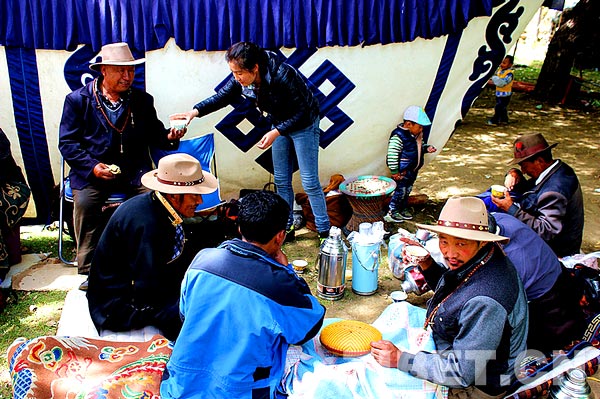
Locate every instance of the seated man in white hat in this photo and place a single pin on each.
(478, 313)
(135, 278)
(106, 130)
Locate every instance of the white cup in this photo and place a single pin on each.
(498, 191)
(398, 296)
(177, 123)
(299, 265)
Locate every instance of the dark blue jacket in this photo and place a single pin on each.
(86, 139)
(409, 160)
(133, 282)
(283, 95)
(479, 328)
(554, 210)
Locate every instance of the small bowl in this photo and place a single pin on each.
(177, 123)
(299, 265)
(398, 296)
(415, 254)
(498, 190)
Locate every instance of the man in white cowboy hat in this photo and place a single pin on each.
(478, 313)
(552, 204)
(136, 272)
(106, 129)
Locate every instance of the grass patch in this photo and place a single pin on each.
(528, 73)
(45, 241)
(28, 314)
(31, 314)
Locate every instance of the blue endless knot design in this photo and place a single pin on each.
(245, 110)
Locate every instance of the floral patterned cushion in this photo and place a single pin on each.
(76, 367)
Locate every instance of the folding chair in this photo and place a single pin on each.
(66, 216)
(203, 149)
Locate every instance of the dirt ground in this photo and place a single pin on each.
(474, 158)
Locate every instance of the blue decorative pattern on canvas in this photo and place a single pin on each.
(245, 109)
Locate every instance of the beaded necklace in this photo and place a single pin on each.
(429, 320)
(128, 114)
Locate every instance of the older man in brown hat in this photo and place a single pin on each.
(553, 203)
(136, 272)
(478, 313)
(106, 130)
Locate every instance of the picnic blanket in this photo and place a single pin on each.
(313, 372)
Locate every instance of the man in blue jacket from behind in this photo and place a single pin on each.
(242, 306)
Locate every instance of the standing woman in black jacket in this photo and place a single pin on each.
(280, 92)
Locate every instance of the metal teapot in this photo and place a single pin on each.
(331, 264)
(571, 385)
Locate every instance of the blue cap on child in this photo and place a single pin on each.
(416, 114)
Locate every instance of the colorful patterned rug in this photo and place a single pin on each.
(77, 368)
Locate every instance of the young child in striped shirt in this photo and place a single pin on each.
(405, 156)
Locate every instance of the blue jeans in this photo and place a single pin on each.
(399, 199)
(501, 110)
(305, 144)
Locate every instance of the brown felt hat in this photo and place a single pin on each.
(116, 54)
(527, 146)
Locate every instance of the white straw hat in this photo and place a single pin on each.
(464, 217)
(180, 173)
(116, 54)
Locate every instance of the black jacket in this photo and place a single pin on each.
(9, 170)
(283, 95)
(554, 210)
(85, 138)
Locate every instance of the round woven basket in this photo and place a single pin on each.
(367, 195)
(349, 338)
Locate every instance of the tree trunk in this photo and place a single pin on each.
(577, 28)
(556, 70)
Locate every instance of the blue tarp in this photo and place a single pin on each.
(216, 24)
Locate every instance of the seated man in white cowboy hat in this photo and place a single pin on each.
(106, 130)
(135, 277)
(478, 313)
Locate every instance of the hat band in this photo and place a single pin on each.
(461, 225)
(530, 151)
(181, 183)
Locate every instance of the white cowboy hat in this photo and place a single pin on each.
(116, 54)
(464, 217)
(180, 173)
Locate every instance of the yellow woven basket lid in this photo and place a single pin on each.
(349, 338)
